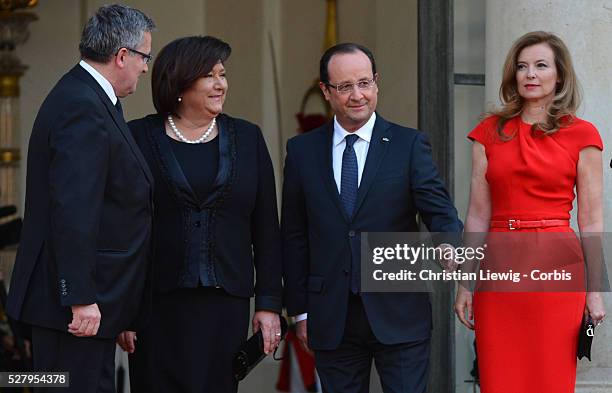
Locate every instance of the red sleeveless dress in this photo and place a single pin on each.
(526, 341)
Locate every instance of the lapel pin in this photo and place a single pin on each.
(385, 139)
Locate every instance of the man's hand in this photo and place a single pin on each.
(127, 341)
(85, 320)
(269, 323)
(448, 264)
(301, 331)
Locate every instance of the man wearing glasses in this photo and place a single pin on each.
(356, 174)
(80, 273)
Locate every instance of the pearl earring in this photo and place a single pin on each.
(180, 99)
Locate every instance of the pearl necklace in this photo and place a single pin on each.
(180, 136)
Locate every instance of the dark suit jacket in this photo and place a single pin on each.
(235, 228)
(399, 180)
(88, 211)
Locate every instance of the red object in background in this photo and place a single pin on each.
(310, 121)
(305, 361)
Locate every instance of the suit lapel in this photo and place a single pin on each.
(324, 148)
(171, 169)
(85, 77)
(379, 144)
(227, 160)
(175, 176)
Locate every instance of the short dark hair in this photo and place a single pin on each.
(346, 47)
(180, 64)
(111, 28)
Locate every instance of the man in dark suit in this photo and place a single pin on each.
(356, 174)
(80, 273)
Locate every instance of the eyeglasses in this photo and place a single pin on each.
(346, 88)
(145, 57)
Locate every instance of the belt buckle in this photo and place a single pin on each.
(511, 224)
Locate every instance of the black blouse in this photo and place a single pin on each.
(199, 163)
(234, 227)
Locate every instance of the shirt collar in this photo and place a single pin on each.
(102, 81)
(365, 132)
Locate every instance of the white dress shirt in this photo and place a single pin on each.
(361, 146)
(102, 81)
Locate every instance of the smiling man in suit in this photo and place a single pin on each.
(356, 174)
(80, 273)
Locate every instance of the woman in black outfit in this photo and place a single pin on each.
(215, 226)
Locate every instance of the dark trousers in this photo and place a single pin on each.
(90, 361)
(402, 367)
(189, 343)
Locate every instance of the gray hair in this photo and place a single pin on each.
(111, 28)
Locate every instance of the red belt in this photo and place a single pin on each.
(518, 224)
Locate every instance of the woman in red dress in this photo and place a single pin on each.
(526, 160)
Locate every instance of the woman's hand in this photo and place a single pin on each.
(269, 323)
(595, 307)
(127, 341)
(463, 303)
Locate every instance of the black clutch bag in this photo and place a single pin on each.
(252, 352)
(587, 331)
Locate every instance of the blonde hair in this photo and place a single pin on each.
(567, 92)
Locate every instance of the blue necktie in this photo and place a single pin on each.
(349, 177)
(119, 108)
(348, 195)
